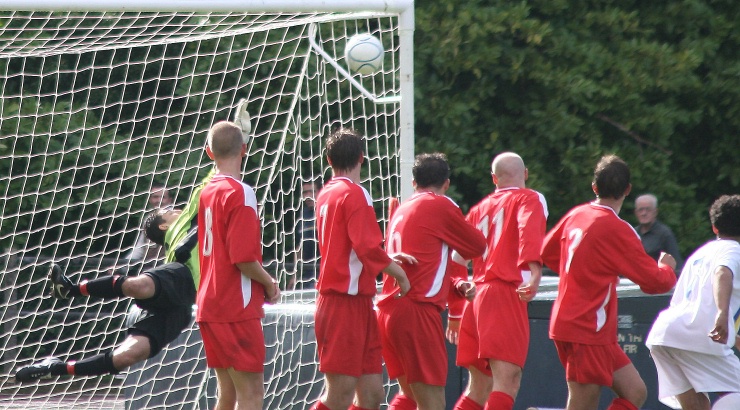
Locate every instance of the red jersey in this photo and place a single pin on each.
(590, 248)
(429, 227)
(229, 232)
(514, 221)
(349, 239)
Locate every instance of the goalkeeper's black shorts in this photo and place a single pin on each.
(165, 315)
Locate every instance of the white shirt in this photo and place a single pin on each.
(686, 323)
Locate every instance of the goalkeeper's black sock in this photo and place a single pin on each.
(96, 365)
(105, 287)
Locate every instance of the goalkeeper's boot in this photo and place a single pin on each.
(37, 371)
(60, 284)
(242, 119)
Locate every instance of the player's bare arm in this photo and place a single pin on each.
(255, 271)
(722, 289)
(667, 259)
(527, 291)
(467, 289)
(453, 330)
(403, 258)
(397, 273)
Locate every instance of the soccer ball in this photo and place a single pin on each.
(364, 54)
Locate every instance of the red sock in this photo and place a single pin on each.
(319, 406)
(499, 400)
(353, 407)
(621, 404)
(466, 403)
(402, 402)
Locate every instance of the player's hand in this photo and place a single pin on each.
(272, 293)
(737, 342)
(527, 291)
(401, 258)
(467, 289)
(667, 259)
(404, 284)
(453, 330)
(291, 283)
(720, 332)
(242, 119)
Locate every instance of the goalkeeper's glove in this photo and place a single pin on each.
(241, 118)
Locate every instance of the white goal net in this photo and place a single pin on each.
(99, 108)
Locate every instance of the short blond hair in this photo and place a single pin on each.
(225, 139)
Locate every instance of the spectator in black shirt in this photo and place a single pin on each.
(656, 237)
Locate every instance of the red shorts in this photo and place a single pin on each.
(591, 364)
(494, 326)
(347, 336)
(240, 345)
(413, 341)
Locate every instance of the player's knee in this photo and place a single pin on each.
(507, 377)
(124, 360)
(340, 398)
(133, 350)
(637, 395)
(370, 398)
(430, 398)
(139, 287)
(479, 387)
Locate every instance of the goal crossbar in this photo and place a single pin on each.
(397, 6)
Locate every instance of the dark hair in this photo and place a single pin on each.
(430, 170)
(344, 148)
(612, 177)
(151, 226)
(725, 215)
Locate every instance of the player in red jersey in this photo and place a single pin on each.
(428, 226)
(347, 335)
(590, 247)
(233, 283)
(494, 332)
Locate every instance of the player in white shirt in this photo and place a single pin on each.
(691, 341)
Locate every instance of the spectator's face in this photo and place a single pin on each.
(645, 211)
(309, 194)
(159, 197)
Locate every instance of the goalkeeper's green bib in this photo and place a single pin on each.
(180, 228)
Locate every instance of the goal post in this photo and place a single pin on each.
(104, 100)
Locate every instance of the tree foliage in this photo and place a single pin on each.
(564, 82)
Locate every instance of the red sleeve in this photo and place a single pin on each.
(463, 237)
(532, 224)
(636, 265)
(365, 236)
(244, 232)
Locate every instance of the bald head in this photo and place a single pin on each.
(225, 140)
(508, 170)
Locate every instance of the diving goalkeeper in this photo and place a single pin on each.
(165, 294)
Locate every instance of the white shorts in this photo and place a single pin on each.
(681, 370)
